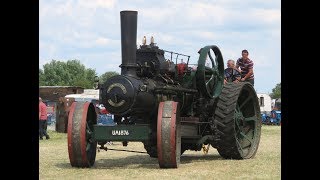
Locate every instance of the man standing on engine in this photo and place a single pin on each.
(246, 67)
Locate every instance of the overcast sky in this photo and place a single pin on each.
(89, 30)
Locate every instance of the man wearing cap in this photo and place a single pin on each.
(246, 67)
(42, 120)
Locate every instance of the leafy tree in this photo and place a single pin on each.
(107, 75)
(70, 73)
(276, 92)
(41, 78)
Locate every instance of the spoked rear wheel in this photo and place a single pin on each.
(168, 135)
(238, 121)
(81, 146)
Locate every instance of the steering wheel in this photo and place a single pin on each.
(210, 79)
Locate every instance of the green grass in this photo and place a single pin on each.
(54, 162)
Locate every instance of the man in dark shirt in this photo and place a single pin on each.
(231, 74)
(246, 67)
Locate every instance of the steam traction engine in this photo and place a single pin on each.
(169, 107)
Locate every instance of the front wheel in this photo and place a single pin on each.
(168, 135)
(81, 145)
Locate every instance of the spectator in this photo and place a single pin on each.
(246, 67)
(231, 74)
(42, 120)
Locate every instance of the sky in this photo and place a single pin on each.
(89, 31)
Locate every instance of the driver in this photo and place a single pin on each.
(231, 74)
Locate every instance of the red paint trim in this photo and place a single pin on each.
(83, 126)
(173, 133)
(159, 136)
(70, 120)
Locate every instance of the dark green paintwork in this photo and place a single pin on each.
(187, 80)
(136, 133)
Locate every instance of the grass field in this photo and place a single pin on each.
(54, 162)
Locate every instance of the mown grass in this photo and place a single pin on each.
(54, 162)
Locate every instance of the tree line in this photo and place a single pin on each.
(70, 73)
(276, 92)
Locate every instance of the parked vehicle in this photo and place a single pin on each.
(265, 118)
(275, 118)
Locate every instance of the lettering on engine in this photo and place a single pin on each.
(120, 133)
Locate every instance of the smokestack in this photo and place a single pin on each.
(128, 42)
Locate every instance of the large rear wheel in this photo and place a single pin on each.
(168, 135)
(81, 145)
(238, 121)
